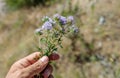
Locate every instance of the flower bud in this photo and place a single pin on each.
(47, 26)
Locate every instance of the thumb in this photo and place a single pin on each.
(37, 67)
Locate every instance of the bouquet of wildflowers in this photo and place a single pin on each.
(51, 32)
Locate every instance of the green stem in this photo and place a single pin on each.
(83, 72)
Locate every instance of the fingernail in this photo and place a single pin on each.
(44, 59)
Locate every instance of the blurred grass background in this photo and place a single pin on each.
(93, 53)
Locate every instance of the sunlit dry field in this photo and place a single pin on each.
(93, 53)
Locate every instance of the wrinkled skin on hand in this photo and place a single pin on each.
(29, 67)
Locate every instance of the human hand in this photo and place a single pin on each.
(28, 67)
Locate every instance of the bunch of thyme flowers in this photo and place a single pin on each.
(51, 32)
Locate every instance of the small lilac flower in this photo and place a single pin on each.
(70, 19)
(46, 18)
(56, 16)
(47, 26)
(63, 20)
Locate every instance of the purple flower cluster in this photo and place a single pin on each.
(46, 18)
(63, 20)
(52, 31)
(71, 19)
(47, 26)
(48, 23)
(58, 20)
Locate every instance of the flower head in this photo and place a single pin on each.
(70, 19)
(47, 26)
(56, 16)
(46, 18)
(63, 20)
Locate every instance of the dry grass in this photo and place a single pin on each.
(17, 39)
